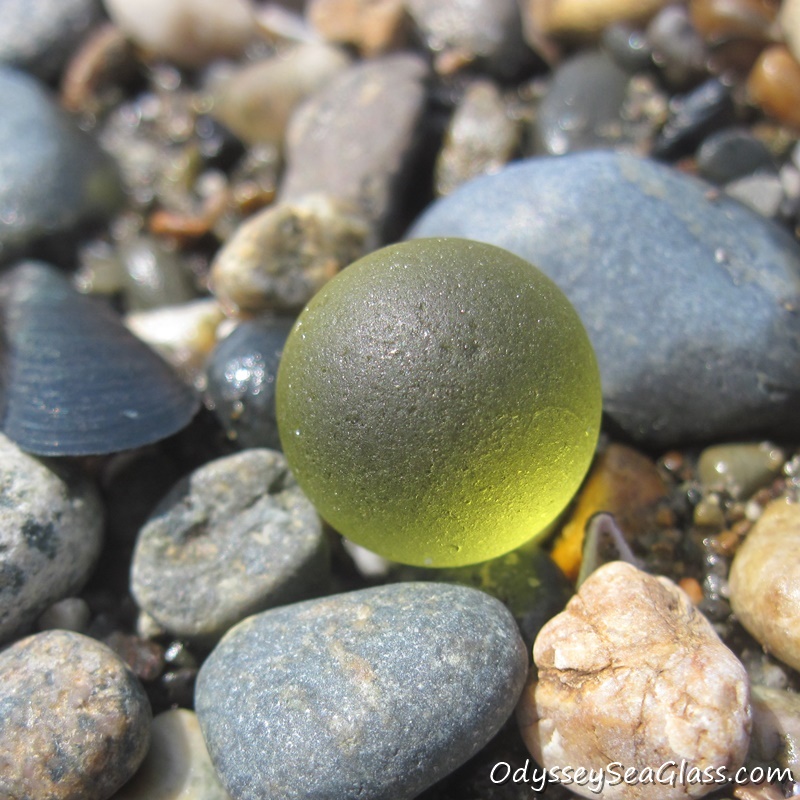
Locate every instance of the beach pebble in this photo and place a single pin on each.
(485, 32)
(53, 176)
(621, 235)
(480, 139)
(739, 469)
(678, 49)
(51, 532)
(75, 721)
(372, 26)
(582, 107)
(235, 537)
(631, 672)
(733, 153)
(256, 101)
(177, 766)
(774, 85)
(280, 257)
(240, 381)
(789, 20)
(376, 693)
(40, 35)
(776, 727)
(189, 32)
(358, 140)
(765, 581)
(69, 614)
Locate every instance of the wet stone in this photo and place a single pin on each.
(581, 19)
(765, 581)
(774, 85)
(70, 614)
(733, 153)
(789, 20)
(581, 109)
(177, 766)
(39, 35)
(360, 140)
(628, 47)
(235, 537)
(622, 235)
(762, 193)
(53, 177)
(678, 49)
(74, 720)
(373, 26)
(240, 381)
(51, 529)
(384, 691)
(776, 727)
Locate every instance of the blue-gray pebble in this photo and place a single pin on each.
(689, 298)
(374, 694)
(53, 176)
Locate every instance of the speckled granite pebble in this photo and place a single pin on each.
(51, 529)
(52, 175)
(74, 721)
(235, 537)
(372, 694)
(689, 298)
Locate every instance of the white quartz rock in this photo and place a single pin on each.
(632, 673)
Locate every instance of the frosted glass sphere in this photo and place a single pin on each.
(439, 402)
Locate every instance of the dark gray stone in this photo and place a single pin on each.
(690, 299)
(74, 720)
(360, 139)
(235, 537)
(581, 109)
(39, 35)
(51, 530)
(733, 153)
(372, 694)
(53, 176)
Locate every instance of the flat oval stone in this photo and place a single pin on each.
(235, 537)
(74, 720)
(377, 693)
(689, 298)
(51, 531)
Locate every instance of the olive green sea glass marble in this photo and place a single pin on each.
(439, 402)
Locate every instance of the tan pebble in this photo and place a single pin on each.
(719, 20)
(189, 32)
(279, 258)
(256, 102)
(774, 85)
(631, 672)
(692, 588)
(789, 21)
(765, 581)
(739, 469)
(373, 26)
(177, 766)
(582, 18)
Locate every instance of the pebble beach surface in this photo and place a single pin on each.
(178, 180)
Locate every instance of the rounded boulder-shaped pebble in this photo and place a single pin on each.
(631, 672)
(623, 236)
(74, 720)
(439, 402)
(235, 537)
(377, 693)
(51, 531)
(765, 581)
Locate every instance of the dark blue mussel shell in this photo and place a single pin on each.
(73, 380)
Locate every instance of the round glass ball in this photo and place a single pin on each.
(439, 402)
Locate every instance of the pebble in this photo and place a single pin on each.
(622, 482)
(75, 722)
(240, 381)
(765, 581)
(678, 49)
(280, 257)
(480, 139)
(69, 614)
(486, 33)
(372, 26)
(582, 107)
(376, 693)
(51, 532)
(789, 21)
(733, 153)
(53, 177)
(579, 19)
(38, 36)
(622, 235)
(776, 727)
(631, 672)
(628, 47)
(762, 193)
(774, 85)
(235, 537)
(191, 33)
(177, 766)
(737, 20)
(359, 140)
(257, 100)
